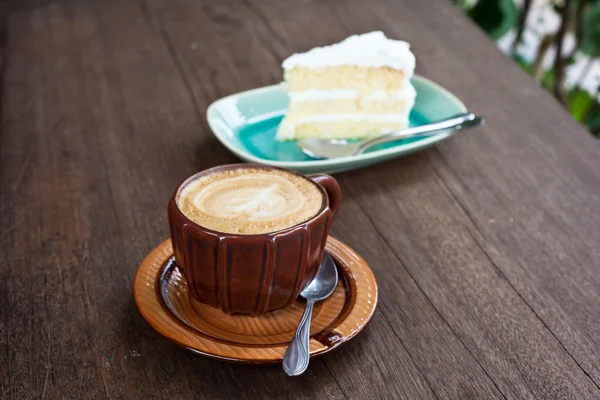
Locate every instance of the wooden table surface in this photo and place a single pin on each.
(486, 248)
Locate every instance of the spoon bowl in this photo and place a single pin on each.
(324, 282)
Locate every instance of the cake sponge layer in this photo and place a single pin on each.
(348, 129)
(359, 78)
(348, 106)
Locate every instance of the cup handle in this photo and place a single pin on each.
(333, 191)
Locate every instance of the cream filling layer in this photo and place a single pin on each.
(408, 93)
(382, 118)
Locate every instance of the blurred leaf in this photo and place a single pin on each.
(496, 17)
(558, 8)
(593, 120)
(548, 79)
(464, 4)
(590, 43)
(580, 102)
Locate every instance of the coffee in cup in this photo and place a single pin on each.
(249, 238)
(250, 201)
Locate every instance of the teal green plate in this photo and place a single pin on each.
(246, 124)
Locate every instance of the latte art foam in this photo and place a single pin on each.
(250, 200)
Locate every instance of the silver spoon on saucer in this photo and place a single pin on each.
(295, 360)
(333, 148)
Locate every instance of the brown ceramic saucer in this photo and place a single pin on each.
(162, 297)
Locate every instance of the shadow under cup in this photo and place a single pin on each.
(251, 274)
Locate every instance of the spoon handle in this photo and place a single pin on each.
(451, 124)
(295, 360)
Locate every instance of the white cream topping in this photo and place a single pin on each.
(372, 49)
(407, 93)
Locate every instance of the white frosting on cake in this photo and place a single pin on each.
(371, 50)
(407, 93)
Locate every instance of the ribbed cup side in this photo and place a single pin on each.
(247, 274)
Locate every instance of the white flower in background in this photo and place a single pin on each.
(584, 73)
(540, 3)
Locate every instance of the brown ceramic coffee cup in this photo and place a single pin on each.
(255, 273)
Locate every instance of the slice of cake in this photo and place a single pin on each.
(354, 89)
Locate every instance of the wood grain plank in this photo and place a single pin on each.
(538, 177)
(542, 150)
(453, 363)
(103, 113)
(173, 20)
(446, 363)
(473, 297)
(277, 17)
(92, 100)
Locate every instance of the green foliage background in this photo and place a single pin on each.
(579, 17)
